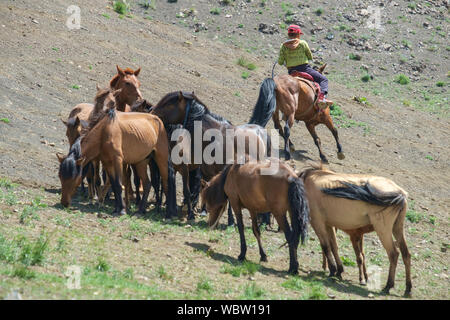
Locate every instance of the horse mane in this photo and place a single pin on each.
(367, 193)
(114, 80)
(99, 99)
(68, 167)
(214, 193)
(198, 110)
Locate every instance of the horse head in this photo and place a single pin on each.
(129, 83)
(171, 109)
(70, 174)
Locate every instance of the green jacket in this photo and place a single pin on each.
(294, 57)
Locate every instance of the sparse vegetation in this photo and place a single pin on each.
(121, 7)
(402, 79)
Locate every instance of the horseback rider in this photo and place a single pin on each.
(295, 53)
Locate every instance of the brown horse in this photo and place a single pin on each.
(118, 138)
(246, 186)
(296, 98)
(184, 108)
(129, 83)
(358, 204)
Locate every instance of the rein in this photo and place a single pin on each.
(188, 108)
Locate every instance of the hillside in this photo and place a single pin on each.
(398, 133)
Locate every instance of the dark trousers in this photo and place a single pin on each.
(318, 77)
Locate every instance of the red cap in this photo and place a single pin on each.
(293, 28)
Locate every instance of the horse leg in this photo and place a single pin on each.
(312, 130)
(288, 233)
(140, 170)
(257, 234)
(137, 184)
(334, 249)
(115, 178)
(127, 184)
(240, 224)
(329, 123)
(287, 133)
(399, 235)
(321, 231)
(384, 232)
(356, 240)
(187, 193)
(230, 215)
(361, 249)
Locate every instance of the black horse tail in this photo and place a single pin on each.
(369, 194)
(171, 199)
(195, 178)
(299, 209)
(155, 179)
(266, 104)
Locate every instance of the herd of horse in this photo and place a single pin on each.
(122, 133)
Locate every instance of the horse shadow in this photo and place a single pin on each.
(298, 155)
(228, 259)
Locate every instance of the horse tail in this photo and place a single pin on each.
(369, 194)
(299, 209)
(266, 104)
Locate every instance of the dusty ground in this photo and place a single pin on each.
(43, 62)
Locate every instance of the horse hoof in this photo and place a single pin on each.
(407, 294)
(341, 155)
(263, 259)
(122, 212)
(362, 282)
(292, 148)
(203, 213)
(241, 258)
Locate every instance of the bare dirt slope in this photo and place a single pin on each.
(43, 63)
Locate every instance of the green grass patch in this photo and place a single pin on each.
(348, 262)
(215, 11)
(252, 292)
(121, 7)
(244, 268)
(402, 79)
(5, 120)
(311, 290)
(245, 74)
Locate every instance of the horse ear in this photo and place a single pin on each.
(180, 96)
(97, 87)
(77, 121)
(84, 124)
(80, 161)
(63, 121)
(120, 71)
(60, 157)
(136, 73)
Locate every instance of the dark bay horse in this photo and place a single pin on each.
(296, 99)
(118, 138)
(246, 186)
(357, 204)
(184, 108)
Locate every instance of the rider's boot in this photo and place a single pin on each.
(323, 102)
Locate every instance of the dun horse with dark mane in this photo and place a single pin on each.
(357, 204)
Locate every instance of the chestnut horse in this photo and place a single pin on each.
(184, 108)
(246, 186)
(358, 204)
(129, 83)
(118, 138)
(296, 98)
